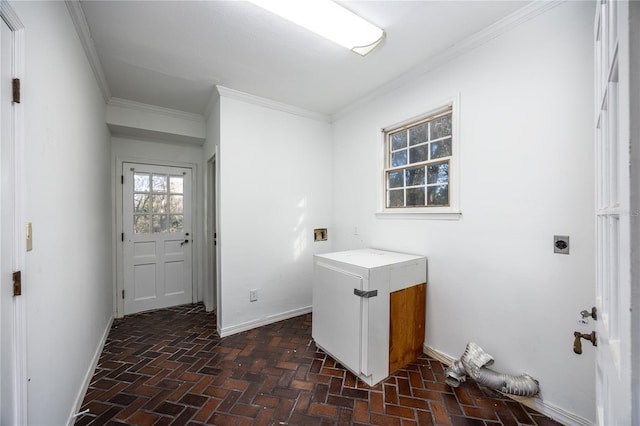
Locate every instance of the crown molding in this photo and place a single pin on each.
(153, 109)
(268, 103)
(82, 28)
(506, 24)
(10, 17)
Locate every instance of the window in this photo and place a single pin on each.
(157, 203)
(419, 160)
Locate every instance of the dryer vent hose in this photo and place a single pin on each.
(474, 362)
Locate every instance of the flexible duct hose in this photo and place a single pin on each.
(474, 362)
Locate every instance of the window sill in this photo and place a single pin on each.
(449, 215)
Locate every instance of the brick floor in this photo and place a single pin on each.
(170, 367)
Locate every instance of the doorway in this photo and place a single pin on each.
(157, 235)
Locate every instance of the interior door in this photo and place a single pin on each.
(337, 314)
(613, 288)
(157, 237)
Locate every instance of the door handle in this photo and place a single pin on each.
(593, 314)
(365, 294)
(184, 242)
(577, 343)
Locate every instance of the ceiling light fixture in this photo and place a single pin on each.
(330, 20)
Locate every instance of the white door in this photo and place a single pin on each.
(337, 314)
(13, 383)
(613, 288)
(157, 208)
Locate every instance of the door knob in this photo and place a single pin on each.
(184, 242)
(577, 343)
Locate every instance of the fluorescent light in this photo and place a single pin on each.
(330, 20)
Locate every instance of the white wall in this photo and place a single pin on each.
(274, 189)
(125, 148)
(527, 174)
(68, 277)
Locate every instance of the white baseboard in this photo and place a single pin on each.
(556, 413)
(249, 325)
(89, 375)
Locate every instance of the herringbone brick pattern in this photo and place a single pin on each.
(169, 367)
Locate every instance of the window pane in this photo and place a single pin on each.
(415, 176)
(175, 204)
(141, 203)
(175, 184)
(159, 223)
(158, 203)
(441, 127)
(395, 179)
(438, 195)
(441, 149)
(399, 140)
(415, 197)
(396, 198)
(398, 158)
(418, 134)
(159, 183)
(140, 182)
(418, 154)
(176, 223)
(141, 224)
(438, 173)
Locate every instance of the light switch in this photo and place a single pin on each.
(29, 237)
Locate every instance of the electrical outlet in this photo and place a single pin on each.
(253, 295)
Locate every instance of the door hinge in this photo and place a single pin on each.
(123, 294)
(17, 283)
(16, 90)
(122, 179)
(122, 237)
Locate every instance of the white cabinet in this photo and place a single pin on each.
(369, 309)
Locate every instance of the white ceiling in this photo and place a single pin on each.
(172, 53)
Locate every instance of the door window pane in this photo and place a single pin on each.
(175, 204)
(159, 203)
(159, 183)
(141, 182)
(141, 224)
(159, 223)
(175, 184)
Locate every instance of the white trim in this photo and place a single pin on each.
(556, 413)
(153, 109)
(89, 374)
(451, 212)
(425, 215)
(82, 28)
(268, 103)
(245, 326)
(19, 332)
(503, 26)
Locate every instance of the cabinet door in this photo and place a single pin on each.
(337, 314)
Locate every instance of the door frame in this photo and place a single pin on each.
(118, 301)
(213, 292)
(18, 339)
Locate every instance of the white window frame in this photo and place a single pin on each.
(450, 212)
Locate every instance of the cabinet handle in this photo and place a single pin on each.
(365, 294)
